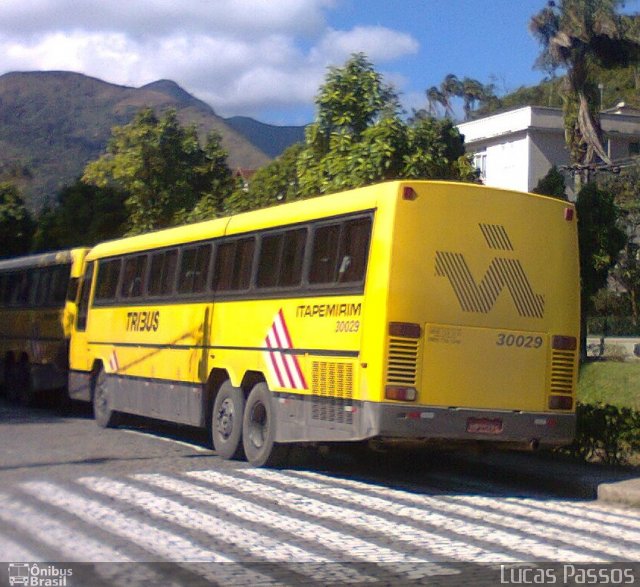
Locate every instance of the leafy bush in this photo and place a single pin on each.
(612, 326)
(606, 434)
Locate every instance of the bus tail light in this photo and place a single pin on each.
(400, 394)
(564, 343)
(404, 329)
(408, 193)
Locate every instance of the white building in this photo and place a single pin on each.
(516, 149)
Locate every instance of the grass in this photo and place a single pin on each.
(610, 382)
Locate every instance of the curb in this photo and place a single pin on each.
(623, 492)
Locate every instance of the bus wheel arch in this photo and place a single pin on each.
(259, 426)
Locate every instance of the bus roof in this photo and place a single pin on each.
(364, 198)
(42, 259)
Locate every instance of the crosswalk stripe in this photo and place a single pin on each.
(337, 542)
(55, 534)
(16, 553)
(545, 524)
(559, 527)
(253, 543)
(528, 546)
(160, 542)
(431, 542)
(610, 515)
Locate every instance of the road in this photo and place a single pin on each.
(85, 504)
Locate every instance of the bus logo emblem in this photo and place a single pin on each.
(502, 273)
(284, 365)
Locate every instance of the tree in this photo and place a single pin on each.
(600, 241)
(626, 273)
(273, 183)
(577, 36)
(215, 181)
(163, 169)
(353, 97)
(16, 224)
(343, 156)
(83, 215)
(552, 184)
(359, 138)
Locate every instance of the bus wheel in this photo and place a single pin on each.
(226, 422)
(24, 384)
(11, 379)
(259, 429)
(103, 402)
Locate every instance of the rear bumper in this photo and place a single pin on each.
(523, 428)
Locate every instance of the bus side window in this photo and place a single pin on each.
(234, 261)
(107, 282)
(268, 266)
(163, 273)
(134, 276)
(325, 253)
(59, 282)
(194, 269)
(281, 259)
(354, 250)
(44, 284)
(83, 304)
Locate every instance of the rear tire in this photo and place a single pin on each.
(226, 422)
(24, 385)
(103, 411)
(11, 380)
(259, 430)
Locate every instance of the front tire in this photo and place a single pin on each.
(259, 430)
(226, 422)
(26, 394)
(103, 411)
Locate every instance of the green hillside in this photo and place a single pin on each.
(53, 123)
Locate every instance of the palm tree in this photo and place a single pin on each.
(450, 88)
(435, 98)
(576, 35)
(473, 92)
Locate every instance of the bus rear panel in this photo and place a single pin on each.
(483, 315)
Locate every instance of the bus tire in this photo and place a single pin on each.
(103, 411)
(10, 379)
(259, 430)
(226, 422)
(26, 394)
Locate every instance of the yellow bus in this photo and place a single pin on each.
(37, 311)
(404, 310)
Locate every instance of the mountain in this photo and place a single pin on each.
(270, 139)
(53, 123)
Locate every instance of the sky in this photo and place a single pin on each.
(267, 58)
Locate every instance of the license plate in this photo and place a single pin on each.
(484, 426)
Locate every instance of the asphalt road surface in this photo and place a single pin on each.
(151, 504)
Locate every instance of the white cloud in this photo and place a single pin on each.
(378, 43)
(241, 56)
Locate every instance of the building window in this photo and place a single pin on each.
(480, 163)
(634, 149)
